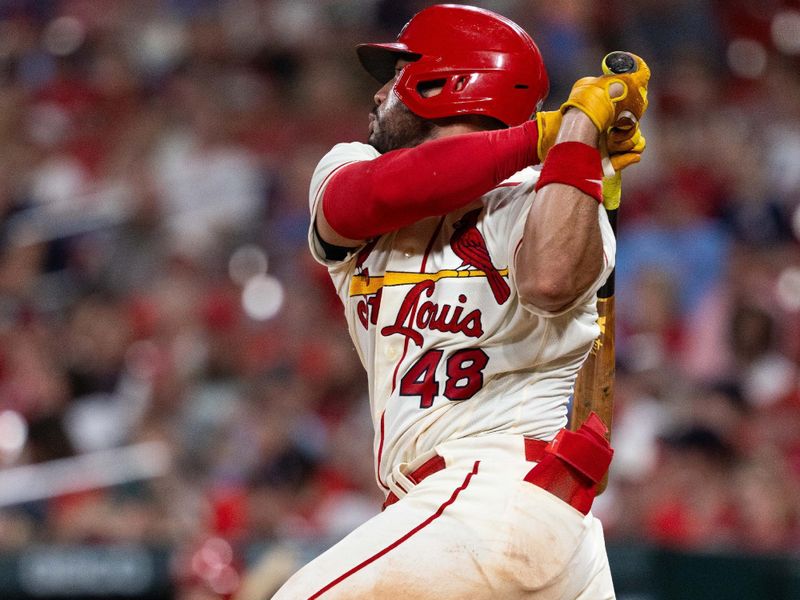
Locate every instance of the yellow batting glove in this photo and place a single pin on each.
(625, 149)
(591, 96)
(548, 124)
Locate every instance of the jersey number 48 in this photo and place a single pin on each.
(464, 376)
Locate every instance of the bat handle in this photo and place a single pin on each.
(617, 63)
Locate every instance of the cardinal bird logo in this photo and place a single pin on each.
(468, 244)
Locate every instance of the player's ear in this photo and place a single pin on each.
(429, 89)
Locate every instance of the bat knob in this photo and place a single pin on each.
(618, 63)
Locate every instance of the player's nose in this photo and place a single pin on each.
(383, 93)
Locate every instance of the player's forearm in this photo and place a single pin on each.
(369, 198)
(561, 253)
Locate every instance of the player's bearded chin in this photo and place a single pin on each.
(395, 126)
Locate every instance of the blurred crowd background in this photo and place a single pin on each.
(160, 313)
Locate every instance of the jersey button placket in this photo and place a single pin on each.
(386, 348)
(391, 350)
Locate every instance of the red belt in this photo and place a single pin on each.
(569, 467)
(534, 451)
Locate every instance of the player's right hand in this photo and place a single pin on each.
(548, 124)
(625, 148)
(593, 96)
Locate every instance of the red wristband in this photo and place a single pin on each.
(575, 164)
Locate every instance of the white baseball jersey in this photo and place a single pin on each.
(433, 311)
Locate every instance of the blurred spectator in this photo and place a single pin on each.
(689, 504)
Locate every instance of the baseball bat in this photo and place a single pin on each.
(594, 386)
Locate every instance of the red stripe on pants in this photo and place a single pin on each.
(396, 543)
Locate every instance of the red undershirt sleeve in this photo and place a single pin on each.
(370, 198)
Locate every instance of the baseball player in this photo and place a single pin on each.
(469, 281)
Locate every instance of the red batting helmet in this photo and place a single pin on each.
(485, 63)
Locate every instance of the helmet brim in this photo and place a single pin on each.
(379, 60)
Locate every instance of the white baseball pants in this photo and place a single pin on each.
(474, 530)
